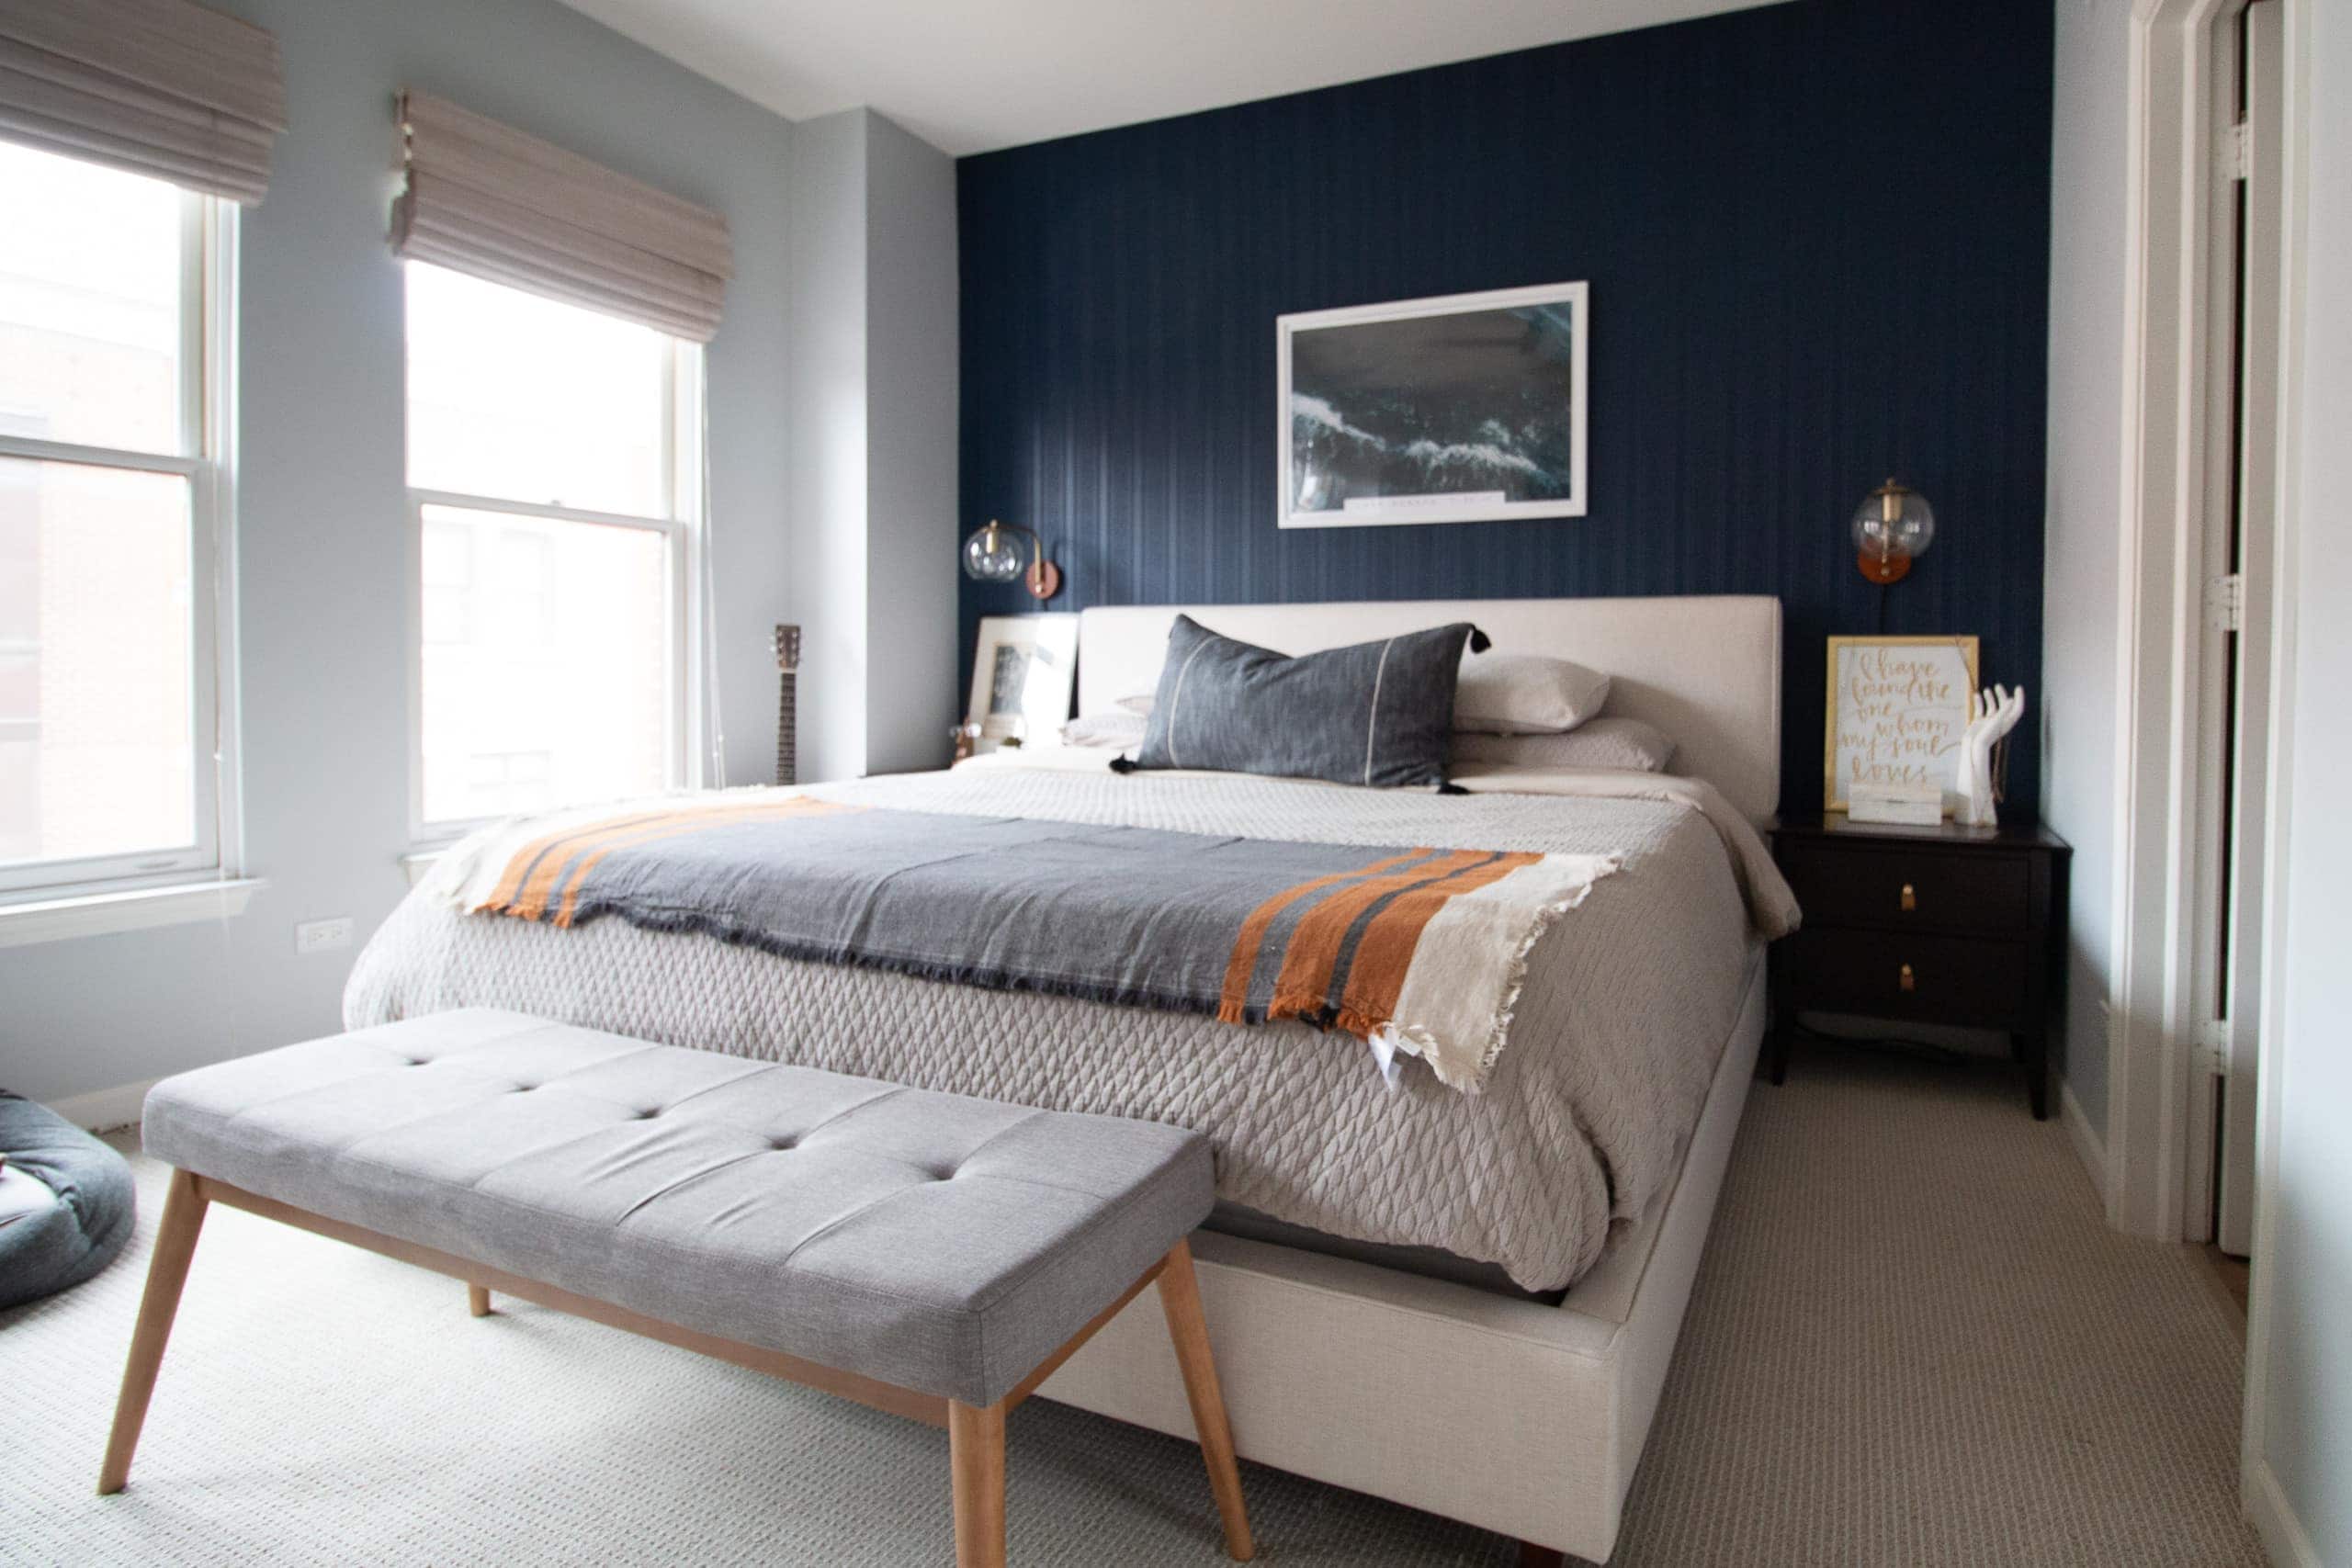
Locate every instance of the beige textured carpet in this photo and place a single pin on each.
(1912, 1342)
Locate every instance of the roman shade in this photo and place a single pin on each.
(486, 199)
(163, 88)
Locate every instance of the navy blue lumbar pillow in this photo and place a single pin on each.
(1378, 712)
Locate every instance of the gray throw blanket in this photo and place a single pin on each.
(1419, 950)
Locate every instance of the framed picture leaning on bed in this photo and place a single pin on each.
(1022, 678)
(1462, 408)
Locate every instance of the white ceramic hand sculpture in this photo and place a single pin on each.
(1992, 714)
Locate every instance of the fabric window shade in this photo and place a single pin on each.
(164, 88)
(486, 199)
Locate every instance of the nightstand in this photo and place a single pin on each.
(1945, 925)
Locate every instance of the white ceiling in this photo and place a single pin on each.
(971, 76)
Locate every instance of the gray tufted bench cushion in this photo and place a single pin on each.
(929, 1254)
(939, 1242)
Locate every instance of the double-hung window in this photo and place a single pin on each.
(554, 468)
(112, 365)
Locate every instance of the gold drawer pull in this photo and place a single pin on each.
(1910, 982)
(1910, 898)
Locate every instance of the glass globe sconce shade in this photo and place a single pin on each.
(1894, 524)
(998, 552)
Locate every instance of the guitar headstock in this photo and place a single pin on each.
(787, 649)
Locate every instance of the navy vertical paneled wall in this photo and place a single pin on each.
(1819, 239)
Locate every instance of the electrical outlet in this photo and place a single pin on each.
(321, 936)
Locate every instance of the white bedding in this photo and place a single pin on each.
(1629, 998)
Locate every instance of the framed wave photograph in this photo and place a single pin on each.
(1465, 408)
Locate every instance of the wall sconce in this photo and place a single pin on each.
(1893, 524)
(993, 555)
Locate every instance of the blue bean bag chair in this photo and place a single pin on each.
(66, 1202)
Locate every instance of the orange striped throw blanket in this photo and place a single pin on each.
(1420, 951)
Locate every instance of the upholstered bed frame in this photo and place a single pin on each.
(1524, 1418)
(1706, 669)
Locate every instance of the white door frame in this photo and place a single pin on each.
(2172, 186)
(2225, 787)
(2171, 183)
(2255, 416)
(2264, 1501)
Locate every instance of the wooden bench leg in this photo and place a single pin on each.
(976, 1450)
(477, 1300)
(1180, 1296)
(166, 1273)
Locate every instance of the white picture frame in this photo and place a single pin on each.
(1024, 671)
(1381, 382)
(1897, 714)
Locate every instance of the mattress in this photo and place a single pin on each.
(1579, 1127)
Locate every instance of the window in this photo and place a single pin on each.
(554, 465)
(110, 517)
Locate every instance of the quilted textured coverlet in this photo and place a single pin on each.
(1418, 951)
(1628, 1000)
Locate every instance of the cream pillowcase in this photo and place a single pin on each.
(1526, 693)
(1116, 728)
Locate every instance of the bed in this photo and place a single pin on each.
(1462, 1301)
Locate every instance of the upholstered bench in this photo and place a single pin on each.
(928, 1254)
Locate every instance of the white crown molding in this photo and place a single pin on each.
(973, 78)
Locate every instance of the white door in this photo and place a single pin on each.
(2234, 660)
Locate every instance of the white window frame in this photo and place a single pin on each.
(207, 436)
(681, 481)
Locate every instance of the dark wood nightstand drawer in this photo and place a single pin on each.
(1934, 924)
(1837, 886)
(1940, 979)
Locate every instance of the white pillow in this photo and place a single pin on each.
(1138, 703)
(1526, 693)
(1623, 743)
(1114, 727)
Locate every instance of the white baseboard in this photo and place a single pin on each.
(2090, 1147)
(2274, 1520)
(103, 1110)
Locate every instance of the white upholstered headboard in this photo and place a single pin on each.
(1705, 669)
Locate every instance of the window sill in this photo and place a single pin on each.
(99, 914)
(418, 865)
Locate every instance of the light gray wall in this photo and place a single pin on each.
(322, 594)
(2088, 134)
(874, 423)
(828, 423)
(912, 568)
(2307, 1408)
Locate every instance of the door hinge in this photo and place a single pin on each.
(2210, 1053)
(2237, 156)
(2225, 602)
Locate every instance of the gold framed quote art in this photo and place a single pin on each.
(1898, 710)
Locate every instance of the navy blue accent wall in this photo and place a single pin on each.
(1817, 236)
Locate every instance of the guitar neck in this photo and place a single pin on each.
(787, 714)
(788, 749)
